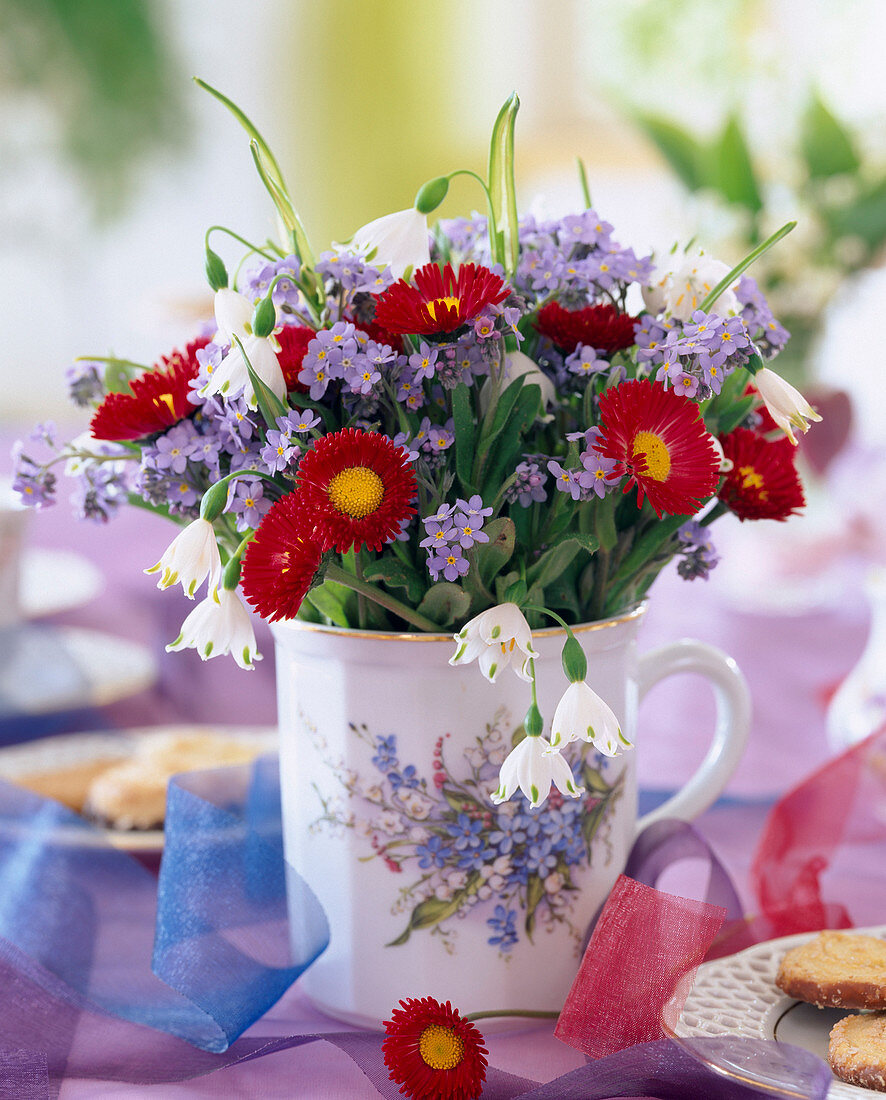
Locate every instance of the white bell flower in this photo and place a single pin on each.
(397, 240)
(233, 317)
(787, 406)
(190, 558)
(681, 287)
(581, 715)
(532, 766)
(725, 464)
(219, 624)
(494, 636)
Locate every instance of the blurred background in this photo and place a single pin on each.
(113, 163)
(716, 120)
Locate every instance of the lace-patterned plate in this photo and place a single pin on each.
(737, 995)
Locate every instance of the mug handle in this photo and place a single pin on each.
(731, 731)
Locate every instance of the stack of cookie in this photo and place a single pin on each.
(842, 970)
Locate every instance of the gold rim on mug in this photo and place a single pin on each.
(389, 636)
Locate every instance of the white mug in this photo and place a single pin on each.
(388, 757)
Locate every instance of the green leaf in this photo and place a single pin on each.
(730, 418)
(594, 781)
(740, 268)
(269, 404)
(465, 428)
(506, 401)
(444, 603)
(523, 416)
(559, 557)
(491, 557)
(583, 183)
(459, 802)
(825, 143)
(502, 187)
(562, 593)
(644, 549)
(395, 573)
(434, 910)
(865, 217)
(119, 373)
(684, 154)
(328, 602)
(247, 125)
(604, 522)
(736, 179)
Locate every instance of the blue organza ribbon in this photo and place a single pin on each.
(203, 956)
(105, 976)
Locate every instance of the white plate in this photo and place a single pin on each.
(46, 669)
(51, 581)
(67, 750)
(737, 995)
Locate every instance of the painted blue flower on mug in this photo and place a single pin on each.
(514, 865)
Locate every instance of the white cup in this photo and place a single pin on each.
(14, 518)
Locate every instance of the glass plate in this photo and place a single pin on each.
(737, 995)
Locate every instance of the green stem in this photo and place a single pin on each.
(341, 576)
(473, 175)
(237, 237)
(362, 609)
(718, 510)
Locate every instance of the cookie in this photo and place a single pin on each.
(132, 795)
(857, 1050)
(837, 969)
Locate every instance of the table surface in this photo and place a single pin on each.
(791, 663)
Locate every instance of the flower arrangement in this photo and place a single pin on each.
(480, 424)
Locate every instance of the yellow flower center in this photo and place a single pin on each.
(750, 479)
(440, 1047)
(447, 303)
(658, 458)
(357, 491)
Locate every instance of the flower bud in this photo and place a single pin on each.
(216, 272)
(575, 664)
(533, 723)
(264, 318)
(231, 573)
(214, 500)
(755, 363)
(431, 194)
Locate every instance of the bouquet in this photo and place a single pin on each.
(475, 425)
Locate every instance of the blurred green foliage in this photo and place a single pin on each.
(724, 165)
(838, 197)
(107, 72)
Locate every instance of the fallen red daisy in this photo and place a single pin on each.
(434, 1053)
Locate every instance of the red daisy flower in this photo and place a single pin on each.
(157, 399)
(763, 482)
(658, 439)
(601, 327)
(440, 301)
(281, 560)
(433, 1053)
(293, 340)
(358, 487)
